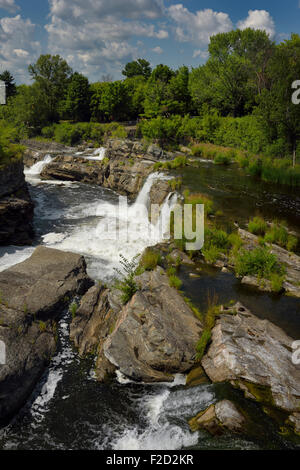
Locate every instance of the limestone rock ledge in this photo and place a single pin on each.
(33, 294)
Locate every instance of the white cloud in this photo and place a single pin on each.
(18, 47)
(157, 50)
(259, 19)
(9, 5)
(199, 26)
(96, 36)
(200, 53)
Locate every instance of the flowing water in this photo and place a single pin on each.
(70, 409)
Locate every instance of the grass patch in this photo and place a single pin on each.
(150, 260)
(257, 226)
(174, 281)
(259, 262)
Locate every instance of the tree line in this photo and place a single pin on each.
(246, 83)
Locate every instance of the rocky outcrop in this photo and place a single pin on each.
(16, 206)
(219, 417)
(255, 356)
(32, 296)
(289, 260)
(149, 339)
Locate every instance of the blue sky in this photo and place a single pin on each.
(97, 37)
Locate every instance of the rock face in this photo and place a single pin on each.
(33, 295)
(126, 165)
(215, 419)
(255, 356)
(16, 207)
(37, 150)
(149, 339)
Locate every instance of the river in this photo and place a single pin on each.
(70, 409)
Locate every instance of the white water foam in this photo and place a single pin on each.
(161, 412)
(66, 356)
(37, 168)
(126, 232)
(98, 154)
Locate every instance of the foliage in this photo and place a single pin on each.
(174, 281)
(9, 152)
(139, 67)
(128, 271)
(257, 226)
(150, 260)
(259, 262)
(77, 102)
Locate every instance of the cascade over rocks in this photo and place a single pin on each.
(34, 294)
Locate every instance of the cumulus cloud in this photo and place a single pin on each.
(199, 26)
(259, 19)
(200, 53)
(157, 50)
(18, 47)
(95, 36)
(9, 5)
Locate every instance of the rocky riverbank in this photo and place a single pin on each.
(16, 206)
(33, 295)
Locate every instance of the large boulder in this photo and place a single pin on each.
(156, 332)
(255, 356)
(150, 339)
(33, 294)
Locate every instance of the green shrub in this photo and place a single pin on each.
(292, 243)
(277, 234)
(174, 281)
(257, 226)
(73, 309)
(259, 262)
(222, 159)
(276, 282)
(203, 343)
(9, 152)
(211, 254)
(127, 285)
(150, 260)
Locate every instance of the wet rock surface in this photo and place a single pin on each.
(16, 207)
(255, 356)
(219, 417)
(34, 293)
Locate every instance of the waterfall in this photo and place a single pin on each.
(37, 168)
(98, 154)
(121, 229)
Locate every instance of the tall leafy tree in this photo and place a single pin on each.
(235, 72)
(52, 75)
(280, 117)
(109, 101)
(77, 103)
(137, 67)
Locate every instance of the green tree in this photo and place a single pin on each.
(52, 75)
(137, 67)
(9, 80)
(109, 101)
(77, 103)
(235, 73)
(26, 110)
(280, 118)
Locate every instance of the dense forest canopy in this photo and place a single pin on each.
(241, 97)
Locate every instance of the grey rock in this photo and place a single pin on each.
(255, 356)
(33, 295)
